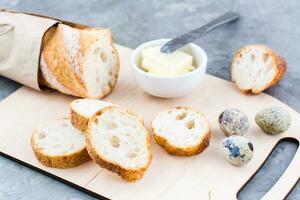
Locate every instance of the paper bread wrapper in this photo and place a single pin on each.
(21, 37)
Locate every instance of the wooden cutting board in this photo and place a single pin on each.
(204, 176)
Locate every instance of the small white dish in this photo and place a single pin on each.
(169, 87)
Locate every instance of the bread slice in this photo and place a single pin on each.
(82, 60)
(58, 144)
(118, 141)
(83, 109)
(256, 68)
(181, 131)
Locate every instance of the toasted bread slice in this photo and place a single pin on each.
(181, 131)
(118, 141)
(58, 144)
(256, 68)
(83, 109)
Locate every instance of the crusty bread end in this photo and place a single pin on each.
(79, 61)
(256, 68)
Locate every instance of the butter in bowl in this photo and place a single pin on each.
(166, 64)
(168, 75)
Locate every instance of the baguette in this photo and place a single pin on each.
(81, 110)
(256, 68)
(118, 141)
(58, 144)
(80, 62)
(48, 79)
(181, 131)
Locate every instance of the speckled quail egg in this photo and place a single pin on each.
(238, 150)
(233, 122)
(273, 120)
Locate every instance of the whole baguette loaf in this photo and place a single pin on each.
(256, 68)
(80, 62)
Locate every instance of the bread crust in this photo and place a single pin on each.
(48, 79)
(128, 174)
(78, 121)
(56, 58)
(61, 64)
(47, 36)
(280, 68)
(64, 161)
(184, 151)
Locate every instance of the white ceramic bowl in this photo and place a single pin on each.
(169, 87)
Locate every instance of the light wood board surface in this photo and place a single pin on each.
(204, 176)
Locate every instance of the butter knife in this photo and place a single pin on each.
(193, 35)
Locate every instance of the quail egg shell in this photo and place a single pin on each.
(273, 120)
(233, 122)
(238, 150)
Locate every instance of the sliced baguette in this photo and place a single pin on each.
(118, 141)
(82, 61)
(256, 68)
(181, 131)
(58, 144)
(81, 110)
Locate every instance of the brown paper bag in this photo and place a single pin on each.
(20, 44)
(21, 37)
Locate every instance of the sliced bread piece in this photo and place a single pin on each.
(118, 141)
(256, 68)
(58, 144)
(83, 109)
(181, 131)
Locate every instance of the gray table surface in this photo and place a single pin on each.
(270, 22)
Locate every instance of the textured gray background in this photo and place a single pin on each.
(275, 23)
